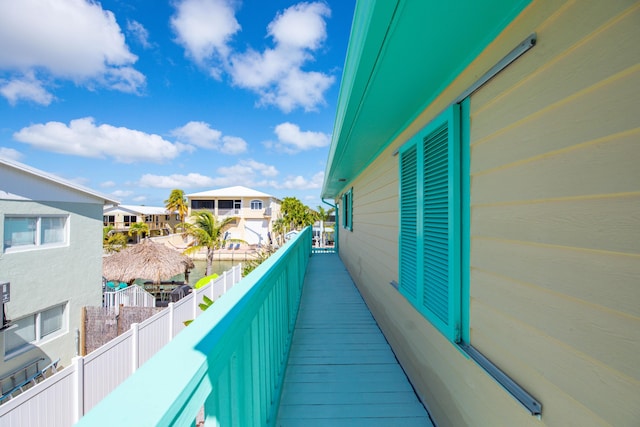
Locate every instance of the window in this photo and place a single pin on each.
(109, 220)
(33, 329)
(256, 205)
(130, 219)
(430, 233)
(202, 204)
(347, 210)
(26, 232)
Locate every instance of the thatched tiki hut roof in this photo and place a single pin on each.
(146, 260)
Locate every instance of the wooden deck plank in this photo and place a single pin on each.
(341, 370)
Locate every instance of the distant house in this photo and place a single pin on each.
(51, 257)
(159, 221)
(255, 211)
(485, 166)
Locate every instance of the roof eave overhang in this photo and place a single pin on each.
(402, 54)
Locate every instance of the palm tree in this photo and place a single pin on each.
(279, 228)
(138, 228)
(177, 202)
(207, 232)
(112, 241)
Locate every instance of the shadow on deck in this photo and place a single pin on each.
(341, 370)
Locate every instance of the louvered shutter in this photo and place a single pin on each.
(409, 223)
(430, 223)
(435, 296)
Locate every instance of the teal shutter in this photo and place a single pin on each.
(430, 223)
(409, 223)
(436, 224)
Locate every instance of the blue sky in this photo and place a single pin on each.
(134, 98)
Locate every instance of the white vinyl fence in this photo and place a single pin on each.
(62, 399)
(131, 296)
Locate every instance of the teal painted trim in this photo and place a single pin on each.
(446, 315)
(465, 243)
(231, 359)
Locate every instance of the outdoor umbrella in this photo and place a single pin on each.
(145, 260)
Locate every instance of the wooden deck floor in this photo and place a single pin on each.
(341, 371)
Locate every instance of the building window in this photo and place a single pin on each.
(256, 205)
(347, 210)
(430, 234)
(109, 220)
(26, 232)
(202, 204)
(130, 219)
(33, 329)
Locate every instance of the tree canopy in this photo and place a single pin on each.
(295, 214)
(177, 203)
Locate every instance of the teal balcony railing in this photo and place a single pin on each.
(229, 363)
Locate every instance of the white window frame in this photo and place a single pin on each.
(257, 203)
(38, 244)
(39, 337)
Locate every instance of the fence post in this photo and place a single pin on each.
(77, 364)
(171, 314)
(224, 281)
(135, 347)
(195, 303)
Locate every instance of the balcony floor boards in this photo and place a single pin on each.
(341, 370)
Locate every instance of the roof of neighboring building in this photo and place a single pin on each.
(401, 55)
(22, 168)
(143, 210)
(237, 191)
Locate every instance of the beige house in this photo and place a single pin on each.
(51, 264)
(159, 221)
(255, 211)
(485, 163)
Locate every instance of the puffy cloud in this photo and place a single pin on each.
(276, 74)
(192, 180)
(291, 139)
(108, 184)
(82, 137)
(26, 88)
(301, 183)
(200, 134)
(249, 173)
(204, 27)
(10, 153)
(75, 40)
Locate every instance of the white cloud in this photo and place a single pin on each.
(249, 173)
(73, 40)
(122, 193)
(139, 199)
(301, 183)
(82, 137)
(204, 28)
(26, 88)
(200, 134)
(108, 184)
(276, 74)
(10, 153)
(192, 180)
(139, 32)
(233, 145)
(292, 140)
